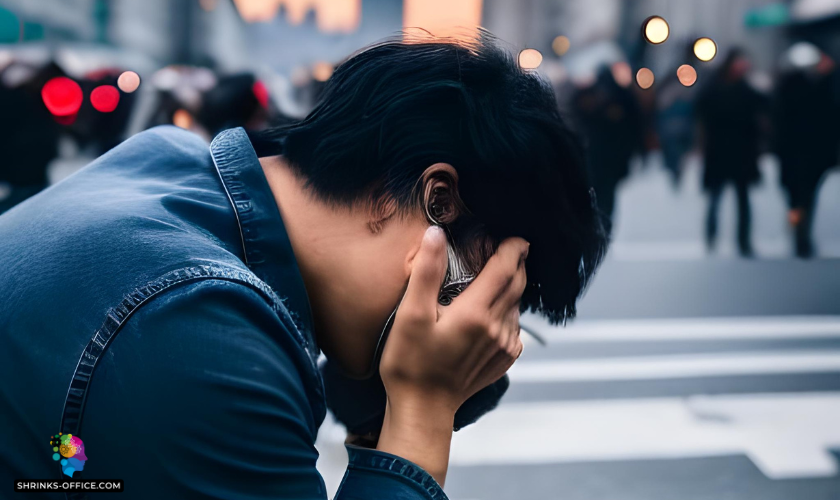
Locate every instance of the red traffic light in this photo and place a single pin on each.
(62, 96)
(105, 98)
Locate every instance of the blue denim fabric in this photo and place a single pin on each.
(151, 304)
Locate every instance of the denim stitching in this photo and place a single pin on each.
(74, 403)
(375, 461)
(116, 318)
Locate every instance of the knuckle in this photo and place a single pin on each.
(476, 322)
(495, 334)
(520, 348)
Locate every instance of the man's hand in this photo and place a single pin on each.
(437, 357)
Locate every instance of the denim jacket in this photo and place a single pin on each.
(151, 305)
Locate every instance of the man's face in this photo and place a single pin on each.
(365, 292)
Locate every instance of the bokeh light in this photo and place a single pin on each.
(622, 74)
(128, 81)
(687, 75)
(6, 59)
(803, 55)
(656, 30)
(561, 45)
(443, 18)
(705, 49)
(105, 98)
(258, 11)
(182, 118)
(530, 59)
(337, 16)
(261, 93)
(644, 78)
(322, 71)
(208, 5)
(62, 96)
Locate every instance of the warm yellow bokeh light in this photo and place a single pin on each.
(331, 16)
(561, 45)
(530, 59)
(128, 81)
(687, 75)
(443, 18)
(705, 49)
(182, 118)
(656, 30)
(257, 11)
(322, 71)
(644, 77)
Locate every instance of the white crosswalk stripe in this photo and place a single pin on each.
(786, 435)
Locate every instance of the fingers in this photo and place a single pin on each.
(496, 367)
(498, 351)
(501, 277)
(513, 343)
(427, 273)
(512, 296)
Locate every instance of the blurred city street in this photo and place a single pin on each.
(727, 389)
(704, 361)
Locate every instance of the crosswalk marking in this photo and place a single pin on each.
(785, 435)
(687, 329)
(675, 366)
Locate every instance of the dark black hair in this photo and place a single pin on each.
(400, 106)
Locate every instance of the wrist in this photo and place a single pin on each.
(419, 430)
(408, 403)
(428, 414)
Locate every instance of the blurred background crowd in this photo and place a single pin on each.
(712, 130)
(717, 87)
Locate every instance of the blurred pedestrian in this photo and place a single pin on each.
(675, 120)
(608, 116)
(729, 111)
(807, 136)
(28, 136)
(99, 130)
(239, 100)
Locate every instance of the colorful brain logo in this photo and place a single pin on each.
(69, 450)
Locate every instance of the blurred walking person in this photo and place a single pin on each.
(28, 136)
(729, 111)
(808, 133)
(675, 120)
(609, 118)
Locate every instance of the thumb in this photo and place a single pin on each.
(427, 273)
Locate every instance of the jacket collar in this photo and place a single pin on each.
(265, 242)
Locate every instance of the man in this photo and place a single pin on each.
(730, 113)
(807, 139)
(184, 294)
(609, 114)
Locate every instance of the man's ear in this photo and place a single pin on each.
(441, 202)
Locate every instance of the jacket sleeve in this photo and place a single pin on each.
(203, 395)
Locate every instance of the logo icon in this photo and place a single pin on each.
(69, 451)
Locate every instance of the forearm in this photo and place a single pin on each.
(419, 430)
